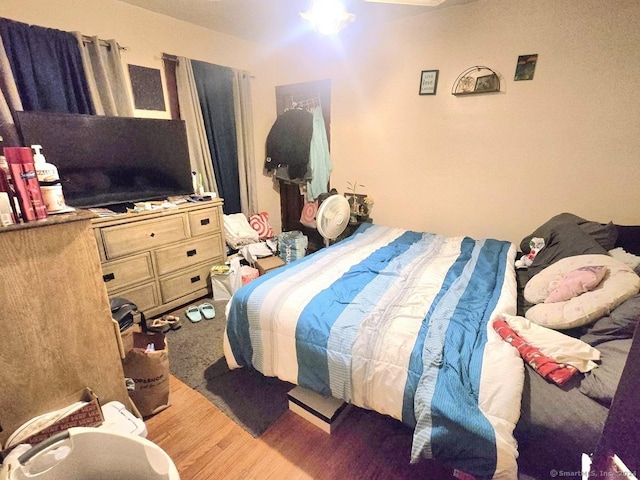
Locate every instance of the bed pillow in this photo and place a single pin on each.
(260, 223)
(619, 284)
(619, 324)
(577, 282)
(604, 235)
(601, 383)
(629, 238)
(564, 240)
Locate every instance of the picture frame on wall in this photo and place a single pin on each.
(487, 83)
(526, 67)
(429, 82)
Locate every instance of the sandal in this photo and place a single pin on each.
(158, 325)
(173, 322)
(207, 311)
(193, 314)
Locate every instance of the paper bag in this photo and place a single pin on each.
(147, 363)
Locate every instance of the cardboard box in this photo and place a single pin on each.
(42, 427)
(323, 412)
(267, 264)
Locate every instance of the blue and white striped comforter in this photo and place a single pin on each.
(398, 322)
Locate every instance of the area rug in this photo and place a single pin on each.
(196, 357)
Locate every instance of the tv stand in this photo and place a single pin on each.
(161, 259)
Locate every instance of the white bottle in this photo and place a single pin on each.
(49, 180)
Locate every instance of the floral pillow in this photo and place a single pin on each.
(575, 283)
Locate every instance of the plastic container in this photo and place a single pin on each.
(93, 454)
(49, 181)
(25, 182)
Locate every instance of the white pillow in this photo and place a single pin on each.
(619, 284)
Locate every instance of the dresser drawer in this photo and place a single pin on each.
(121, 240)
(145, 297)
(185, 283)
(128, 271)
(203, 222)
(170, 259)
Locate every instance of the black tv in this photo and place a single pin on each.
(111, 161)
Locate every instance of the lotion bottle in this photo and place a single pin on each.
(49, 181)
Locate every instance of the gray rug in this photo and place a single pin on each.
(196, 357)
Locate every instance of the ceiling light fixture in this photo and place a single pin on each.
(328, 16)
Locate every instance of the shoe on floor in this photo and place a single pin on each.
(172, 321)
(193, 314)
(158, 325)
(207, 311)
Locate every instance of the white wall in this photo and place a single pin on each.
(489, 165)
(500, 164)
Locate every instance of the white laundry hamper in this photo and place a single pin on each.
(94, 454)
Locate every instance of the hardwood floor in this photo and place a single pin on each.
(206, 444)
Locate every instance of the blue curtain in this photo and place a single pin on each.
(47, 68)
(214, 84)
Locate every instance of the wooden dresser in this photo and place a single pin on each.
(161, 259)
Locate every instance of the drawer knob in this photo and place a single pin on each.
(152, 234)
(108, 277)
(205, 221)
(195, 279)
(191, 253)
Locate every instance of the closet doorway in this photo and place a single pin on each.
(317, 92)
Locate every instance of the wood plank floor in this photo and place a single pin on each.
(206, 444)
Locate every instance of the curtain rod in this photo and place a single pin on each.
(174, 58)
(87, 39)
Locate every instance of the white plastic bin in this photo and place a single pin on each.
(93, 454)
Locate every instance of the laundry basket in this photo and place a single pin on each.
(92, 454)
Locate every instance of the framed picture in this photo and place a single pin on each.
(428, 82)
(487, 83)
(526, 67)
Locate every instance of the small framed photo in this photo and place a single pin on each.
(526, 67)
(428, 82)
(487, 83)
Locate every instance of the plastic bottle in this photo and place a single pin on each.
(25, 183)
(49, 180)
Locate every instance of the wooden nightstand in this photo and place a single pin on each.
(351, 228)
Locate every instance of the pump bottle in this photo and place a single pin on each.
(49, 182)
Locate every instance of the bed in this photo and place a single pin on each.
(399, 322)
(558, 424)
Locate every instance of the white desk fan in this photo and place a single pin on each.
(332, 217)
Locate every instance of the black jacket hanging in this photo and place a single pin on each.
(289, 142)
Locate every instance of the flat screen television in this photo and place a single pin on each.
(111, 161)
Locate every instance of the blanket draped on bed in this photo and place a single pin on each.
(398, 322)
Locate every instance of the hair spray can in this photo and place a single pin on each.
(25, 182)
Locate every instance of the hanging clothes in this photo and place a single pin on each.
(289, 142)
(319, 158)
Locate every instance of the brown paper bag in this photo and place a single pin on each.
(150, 372)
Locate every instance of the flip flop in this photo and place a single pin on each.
(207, 311)
(172, 321)
(193, 314)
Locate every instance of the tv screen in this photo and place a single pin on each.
(109, 161)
